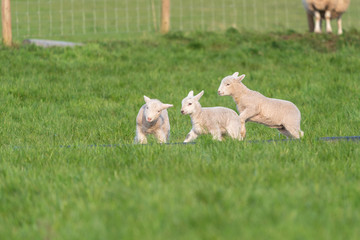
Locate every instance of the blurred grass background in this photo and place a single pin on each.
(111, 19)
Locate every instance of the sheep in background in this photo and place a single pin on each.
(325, 9)
(255, 107)
(217, 121)
(152, 119)
(310, 19)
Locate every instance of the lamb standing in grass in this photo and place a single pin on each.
(325, 9)
(255, 107)
(153, 119)
(217, 121)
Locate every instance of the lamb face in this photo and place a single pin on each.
(153, 108)
(226, 87)
(190, 104)
(187, 106)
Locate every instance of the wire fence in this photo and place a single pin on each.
(96, 18)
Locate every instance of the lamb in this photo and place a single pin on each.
(325, 9)
(153, 119)
(255, 107)
(217, 121)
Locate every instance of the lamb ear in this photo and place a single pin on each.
(146, 99)
(197, 97)
(241, 78)
(191, 93)
(236, 74)
(166, 106)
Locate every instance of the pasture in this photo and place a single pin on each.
(57, 103)
(92, 19)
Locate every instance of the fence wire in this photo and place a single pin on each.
(64, 18)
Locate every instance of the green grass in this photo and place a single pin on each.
(81, 20)
(210, 190)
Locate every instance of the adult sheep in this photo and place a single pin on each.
(325, 9)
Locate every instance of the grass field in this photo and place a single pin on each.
(113, 19)
(209, 190)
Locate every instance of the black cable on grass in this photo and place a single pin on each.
(120, 145)
(332, 139)
(326, 139)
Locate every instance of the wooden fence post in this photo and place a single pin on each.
(165, 16)
(6, 22)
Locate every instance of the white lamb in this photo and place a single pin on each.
(152, 119)
(255, 107)
(217, 121)
(325, 9)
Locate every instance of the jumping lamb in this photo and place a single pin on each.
(217, 121)
(153, 119)
(255, 107)
(325, 9)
